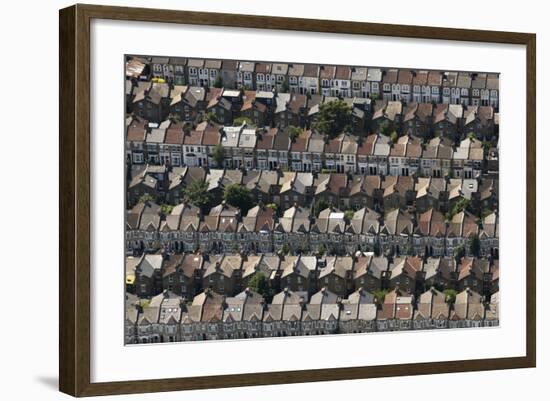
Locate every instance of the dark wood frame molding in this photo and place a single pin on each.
(74, 199)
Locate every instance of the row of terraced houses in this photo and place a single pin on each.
(210, 316)
(299, 231)
(228, 274)
(343, 191)
(407, 85)
(273, 149)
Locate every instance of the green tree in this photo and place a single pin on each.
(238, 196)
(211, 117)
(260, 284)
(459, 253)
(410, 250)
(348, 215)
(320, 205)
(197, 194)
(284, 87)
(376, 248)
(393, 136)
(294, 132)
(272, 206)
(166, 209)
(146, 198)
(285, 249)
(218, 83)
(322, 250)
(461, 205)
(333, 118)
(450, 295)
(474, 244)
(240, 120)
(218, 155)
(380, 295)
(387, 128)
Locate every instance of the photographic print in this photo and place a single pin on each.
(284, 198)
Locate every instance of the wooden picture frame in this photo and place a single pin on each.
(75, 208)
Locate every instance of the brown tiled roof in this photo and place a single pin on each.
(300, 143)
(404, 77)
(365, 149)
(404, 183)
(193, 138)
(212, 96)
(414, 150)
(424, 111)
(336, 183)
(263, 68)
(190, 263)
(327, 72)
(424, 220)
(343, 72)
(297, 102)
(265, 217)
(485, 113)
(420, 78)
(136, 130)
(465, 267)
(390, 76)
(398, 150)
(174, 134)
(333, 146)
(266, 140)
(282, 141)
(311, 70)
(435, 78)
(231, 65)
(211, 135)
(438, 226)
(440, 112)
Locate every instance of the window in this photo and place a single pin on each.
(192, 71)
